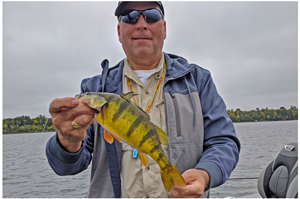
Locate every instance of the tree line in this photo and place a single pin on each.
(263, 114)
(41, 123)
(24, 124)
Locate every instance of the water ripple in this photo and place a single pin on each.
(27, 174)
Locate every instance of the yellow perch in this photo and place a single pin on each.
(126, 122)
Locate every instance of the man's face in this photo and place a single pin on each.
(142, 40)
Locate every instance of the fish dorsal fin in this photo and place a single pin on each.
(163, 137)
(128, 96)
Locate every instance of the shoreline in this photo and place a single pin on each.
(233, 123)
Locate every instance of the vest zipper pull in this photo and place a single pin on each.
(172, 94)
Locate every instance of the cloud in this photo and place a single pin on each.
(249, 47)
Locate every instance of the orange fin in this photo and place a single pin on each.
(143, 158)
(117, 138)
(108, 137)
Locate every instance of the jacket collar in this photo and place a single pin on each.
(111, 81)
(176, 66)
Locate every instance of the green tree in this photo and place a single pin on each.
(34, 128)
(264, 114)
(28, 128)
(22, 129)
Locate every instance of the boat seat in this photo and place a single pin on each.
(280, 178)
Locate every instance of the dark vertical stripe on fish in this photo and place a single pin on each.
(160, 156)
(147, 136)
(120, 110)
(135, 124)
(156, 147)
(110, 98)
(166, 167)
(117, 100)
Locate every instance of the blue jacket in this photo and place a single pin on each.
(201, 134)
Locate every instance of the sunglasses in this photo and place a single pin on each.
(150, 15)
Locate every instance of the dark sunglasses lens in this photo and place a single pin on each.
(152, 15)
(132, 17)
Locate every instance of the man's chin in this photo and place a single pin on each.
(143, 54)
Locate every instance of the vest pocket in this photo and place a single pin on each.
(179, 118)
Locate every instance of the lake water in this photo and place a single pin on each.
(27, 174)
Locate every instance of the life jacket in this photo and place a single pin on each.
(280, 178)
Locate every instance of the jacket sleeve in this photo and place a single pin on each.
(221, 145)
(65, 163)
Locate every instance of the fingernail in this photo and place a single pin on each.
(75, 102)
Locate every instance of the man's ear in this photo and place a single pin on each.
(119, 33)
(165, 27)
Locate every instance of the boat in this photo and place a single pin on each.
(280, 178)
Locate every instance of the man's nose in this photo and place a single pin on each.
(141, 23)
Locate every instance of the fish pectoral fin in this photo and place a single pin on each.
(163, 137)
(108, 137)
(117, 138)
(128, 96)
(143, 158)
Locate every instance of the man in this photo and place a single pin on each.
(180, 98)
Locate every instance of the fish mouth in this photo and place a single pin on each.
(93, 100)
(78, 96)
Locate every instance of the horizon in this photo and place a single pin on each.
(31, 117)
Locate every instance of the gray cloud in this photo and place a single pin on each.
(249, 47)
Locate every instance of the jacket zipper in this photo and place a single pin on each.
(177, 118)
(169, 152)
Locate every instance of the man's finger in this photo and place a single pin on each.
(180, 192)
(184, 192)
(190, 175)
(84, 120)
(59, 103)
(188, 191)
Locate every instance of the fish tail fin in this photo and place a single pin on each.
(171, 177)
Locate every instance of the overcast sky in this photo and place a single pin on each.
(249, 47)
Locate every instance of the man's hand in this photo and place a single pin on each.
(196, 182)
(66, 110)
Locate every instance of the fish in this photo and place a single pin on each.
(126, 122)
